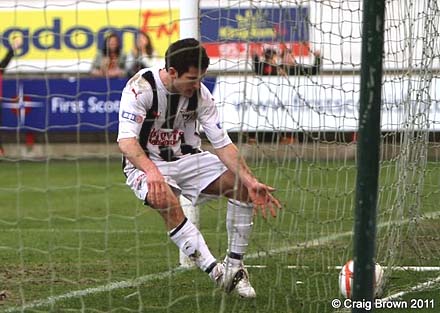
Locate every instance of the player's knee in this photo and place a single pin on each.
(242, 194)
(167, 202)
(229, 186)
(168, 207)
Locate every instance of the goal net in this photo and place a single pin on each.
(285, 76)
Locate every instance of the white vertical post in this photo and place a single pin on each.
(189, 28)
(189, 19)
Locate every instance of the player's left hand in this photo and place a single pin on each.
(262, 199)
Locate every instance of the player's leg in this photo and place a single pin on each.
(239, 213)
(204, 173)
(181, 231)
(239, 226)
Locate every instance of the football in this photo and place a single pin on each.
(346, 280)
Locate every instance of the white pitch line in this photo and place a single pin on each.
(85, 292)
(143, 279)
(393, 268)
(324, 240)
(419, 287)
(85, 230)
(408, 268)
(301, 245)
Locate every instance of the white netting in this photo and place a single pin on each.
(74, 237)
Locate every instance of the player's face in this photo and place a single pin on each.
(189, 82)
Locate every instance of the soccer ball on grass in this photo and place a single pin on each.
(346, 280)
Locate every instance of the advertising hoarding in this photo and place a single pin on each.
(295, 103)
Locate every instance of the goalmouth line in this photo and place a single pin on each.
(392, 268)
(143, 279)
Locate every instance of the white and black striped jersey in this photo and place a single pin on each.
(167, 127)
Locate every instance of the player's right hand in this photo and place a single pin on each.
(157, 189)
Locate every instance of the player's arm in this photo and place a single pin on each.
(132, 150)
(135, 103)
(231, 157)
(259, 193)
(157, 186)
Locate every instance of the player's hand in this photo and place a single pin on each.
(262, 199)
(157, 189)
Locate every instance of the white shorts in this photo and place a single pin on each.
(188, 176)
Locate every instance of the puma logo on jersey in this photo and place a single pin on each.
(135, 93)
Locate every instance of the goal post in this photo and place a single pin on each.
(189, 28)
(368, 152)
(189, 19)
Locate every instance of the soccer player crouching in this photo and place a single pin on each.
(161, 110)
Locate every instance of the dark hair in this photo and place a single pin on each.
(149, 46)
(105, 47)
(269, 53)
(185, 53)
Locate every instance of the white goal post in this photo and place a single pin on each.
(189, 28)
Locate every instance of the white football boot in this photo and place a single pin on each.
(216, 274)
(236, 279)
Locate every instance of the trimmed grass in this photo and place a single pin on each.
(67, 226)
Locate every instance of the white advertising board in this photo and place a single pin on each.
(322, 103)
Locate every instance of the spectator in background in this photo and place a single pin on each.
(291, 67)
(110, 61)
(269, 65)
(141, 56)
(287, 65)
(16, 45)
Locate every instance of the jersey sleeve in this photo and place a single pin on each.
(136, 100)
(210, 121)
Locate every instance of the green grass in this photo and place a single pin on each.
(67, 226)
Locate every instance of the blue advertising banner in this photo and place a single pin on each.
(61, 104)
(86, 105)
(228, 32)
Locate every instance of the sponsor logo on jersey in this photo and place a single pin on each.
(165, 137)
(132, 117)
(189, 115)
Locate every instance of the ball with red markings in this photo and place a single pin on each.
(346, 280)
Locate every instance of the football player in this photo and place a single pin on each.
(161, 111)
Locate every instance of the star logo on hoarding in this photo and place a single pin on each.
(22, 105)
